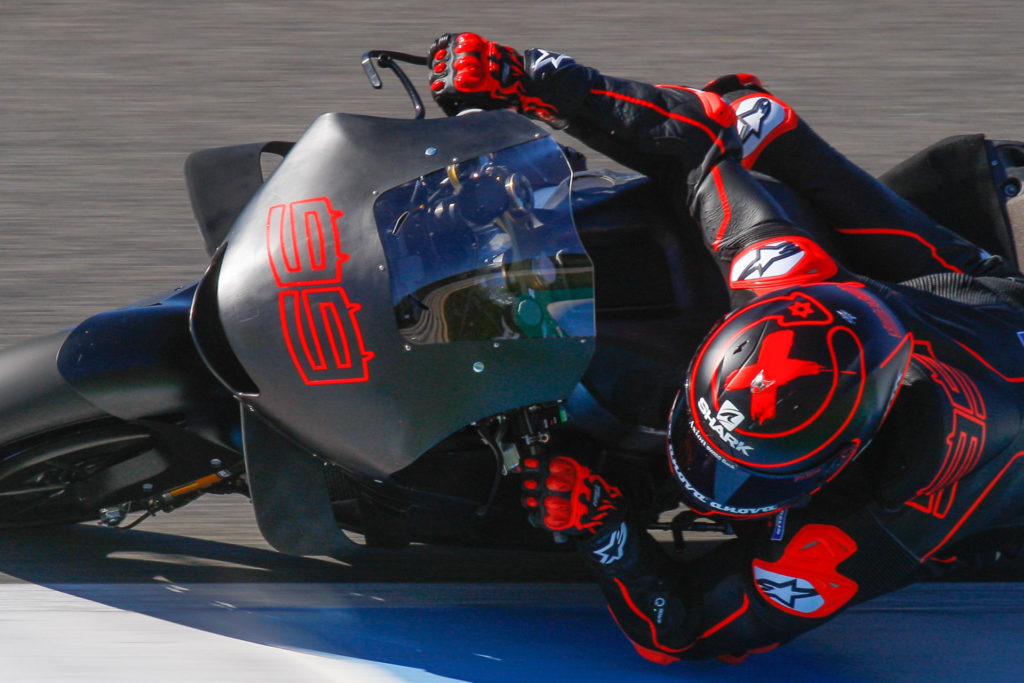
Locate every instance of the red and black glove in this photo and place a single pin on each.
(467, 71)
(566, 497)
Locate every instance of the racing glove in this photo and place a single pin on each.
(564, 496)
(467, 71)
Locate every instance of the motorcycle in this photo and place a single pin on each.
(392, 319)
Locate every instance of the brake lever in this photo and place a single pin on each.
(386, 59)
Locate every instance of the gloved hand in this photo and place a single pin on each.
(566, 497)
(467, 71)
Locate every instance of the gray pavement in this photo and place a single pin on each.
(101, 100)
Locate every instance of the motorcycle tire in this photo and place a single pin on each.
(67, 476)
(58, 452)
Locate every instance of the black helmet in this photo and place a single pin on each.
(782, 394)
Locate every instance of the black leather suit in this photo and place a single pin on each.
(943, 479)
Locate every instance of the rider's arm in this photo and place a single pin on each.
(754, 592)
(777, 579)
(678, 136)
(881, 234)
(684, 139)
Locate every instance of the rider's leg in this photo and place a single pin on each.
(882, 235)
(685, 140)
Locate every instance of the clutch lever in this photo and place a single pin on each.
(387, 59)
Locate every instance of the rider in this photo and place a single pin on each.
(779, 424)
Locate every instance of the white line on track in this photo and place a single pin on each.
(49, 635)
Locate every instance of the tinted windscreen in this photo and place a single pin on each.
(486, 249)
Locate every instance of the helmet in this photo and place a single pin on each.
(782, 394)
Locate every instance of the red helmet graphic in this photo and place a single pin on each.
(782, 394)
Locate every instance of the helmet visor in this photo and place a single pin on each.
(714, 485)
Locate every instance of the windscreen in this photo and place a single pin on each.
(485, 249)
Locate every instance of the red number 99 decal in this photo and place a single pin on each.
(318, 322)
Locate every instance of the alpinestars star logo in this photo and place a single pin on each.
(614, 548)
(758, 120)
(787, 592)
(751, 121)
(790, 593)
(771, 260)
(544, 62)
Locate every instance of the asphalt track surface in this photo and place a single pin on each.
(100, 102)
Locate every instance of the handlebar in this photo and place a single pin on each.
(386, 59)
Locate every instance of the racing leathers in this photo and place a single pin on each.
(943, 480)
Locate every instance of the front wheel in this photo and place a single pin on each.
(68, 476)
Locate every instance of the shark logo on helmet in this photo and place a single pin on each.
(723, 423)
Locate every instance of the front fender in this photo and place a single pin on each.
(140, 361)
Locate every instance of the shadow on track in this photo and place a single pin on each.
(92, 554)
(482, 614)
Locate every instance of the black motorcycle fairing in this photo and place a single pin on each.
(304, 299)
(139, 361)
(208, 334)
(289, 493)
(221, 181)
